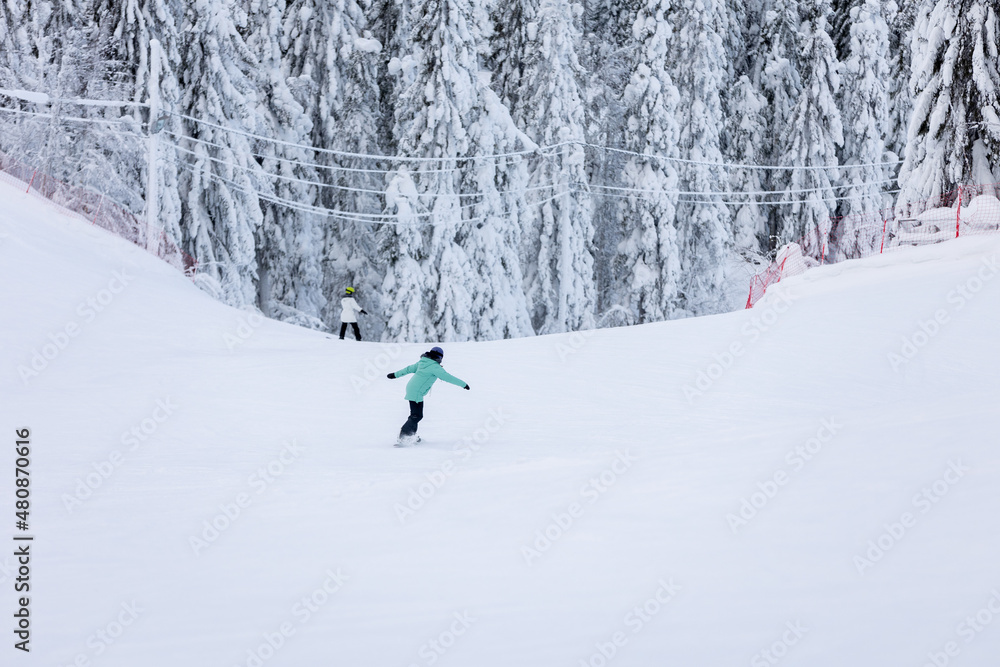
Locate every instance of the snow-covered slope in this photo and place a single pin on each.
(766, 486)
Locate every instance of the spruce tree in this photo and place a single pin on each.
(702, 71)
(221, 84)
(812, 136)
(776, 75)
(865, 105)
(333, 60)
(549, 104)
(456, 223)
(289, 285)
(747, 146)
(954, 130)
(647, 261)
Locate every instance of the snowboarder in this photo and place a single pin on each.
(425, 372)
(349, 310)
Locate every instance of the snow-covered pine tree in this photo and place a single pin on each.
(515, 28)
(333, 60)
(747, 146)
(901, 40)
(607, 54)
(403, 245)
(812, 137)
(494, 242)
(19, 70)
(125, 29)
(743, 34)
(221, 86)
(471, 277)
(549, 104)
(954, 131)
(647, 260)
(390, 22)
(52, 48)
(840, 26)
(865, 108)
(701, 72)
(744, 140)
(289, 241)
(776, 74)
(15, 46)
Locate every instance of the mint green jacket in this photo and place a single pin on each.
(426, 372)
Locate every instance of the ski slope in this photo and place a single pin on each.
(763, 487)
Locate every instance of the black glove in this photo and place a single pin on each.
(364, 312)
(391, 376)
(465, 387)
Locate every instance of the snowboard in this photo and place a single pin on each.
(408, 442)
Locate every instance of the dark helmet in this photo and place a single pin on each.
(436, 353)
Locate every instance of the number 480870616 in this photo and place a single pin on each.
(22, 481)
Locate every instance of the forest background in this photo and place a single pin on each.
(484, 170)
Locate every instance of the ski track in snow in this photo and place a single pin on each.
(751, 488)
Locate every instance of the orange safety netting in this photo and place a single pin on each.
(969, 209)
(96, 209)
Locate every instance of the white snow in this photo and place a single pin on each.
(26, 95)
(932, 226)
(175, 408)
(982, 213)
(367, 45)
(792, 261)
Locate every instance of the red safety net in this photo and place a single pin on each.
(969, 209)
(96, 209)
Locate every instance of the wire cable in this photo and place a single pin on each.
(315, 165)
(734, 165)
(386, 158)
(381, 192)
(345, 216)
(537, 151)
(105, 121)
(735, 193)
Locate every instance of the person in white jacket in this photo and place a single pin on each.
(349, 310)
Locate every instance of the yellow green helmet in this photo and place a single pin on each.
(350, 290)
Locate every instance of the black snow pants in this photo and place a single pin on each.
(354, 325)
(416, 414)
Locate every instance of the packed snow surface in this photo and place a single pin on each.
(812, 482)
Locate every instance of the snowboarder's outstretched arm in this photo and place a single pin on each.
(412, 368)
(442, 374)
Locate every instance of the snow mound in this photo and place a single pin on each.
(982, 213)
(792, 261)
